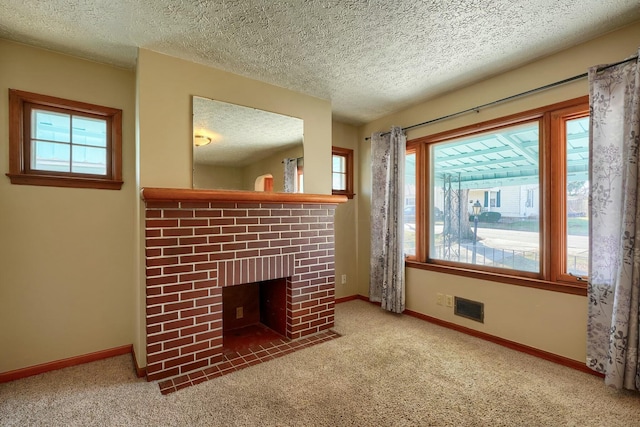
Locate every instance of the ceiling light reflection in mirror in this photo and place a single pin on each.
(237, 146)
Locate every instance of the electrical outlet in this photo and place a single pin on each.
(239, 312)
(449, 301)
(440, 300)
(344, 279)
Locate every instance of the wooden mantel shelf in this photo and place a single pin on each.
(190, 195)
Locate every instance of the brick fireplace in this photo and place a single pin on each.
(199, 242)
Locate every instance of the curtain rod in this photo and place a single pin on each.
(509, 98)
(293, 158)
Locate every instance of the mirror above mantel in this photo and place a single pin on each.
(243, 148)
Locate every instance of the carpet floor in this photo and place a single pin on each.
(385, 370)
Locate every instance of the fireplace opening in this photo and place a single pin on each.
(253, 314)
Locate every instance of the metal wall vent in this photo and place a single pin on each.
(473, 310)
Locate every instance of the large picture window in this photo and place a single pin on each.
(58, 142)
(508, 199)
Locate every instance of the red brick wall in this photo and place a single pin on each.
(193, 249)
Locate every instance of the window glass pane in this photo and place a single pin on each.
(89, 131)
(339, 181)
(485, 199)
(90, 160)
(577, 226)
(338, 164)
(410, 205)
(50, 126)
(50, 156)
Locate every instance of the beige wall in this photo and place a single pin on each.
(165, 88)
(66, 254)
(550, 321)
(218, 177)
(346, 230)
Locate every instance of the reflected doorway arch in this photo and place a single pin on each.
(264, 183)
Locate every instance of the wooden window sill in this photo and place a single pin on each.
(343, 193)
(64, 181)
(579, 288)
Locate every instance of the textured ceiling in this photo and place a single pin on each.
(241, 135)
(369, 57)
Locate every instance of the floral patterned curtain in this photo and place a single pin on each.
(387, 203)
(290, 172)
(612, 330)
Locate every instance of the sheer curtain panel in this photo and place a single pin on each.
(387, 203)
(612, 329)
(290, 173)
